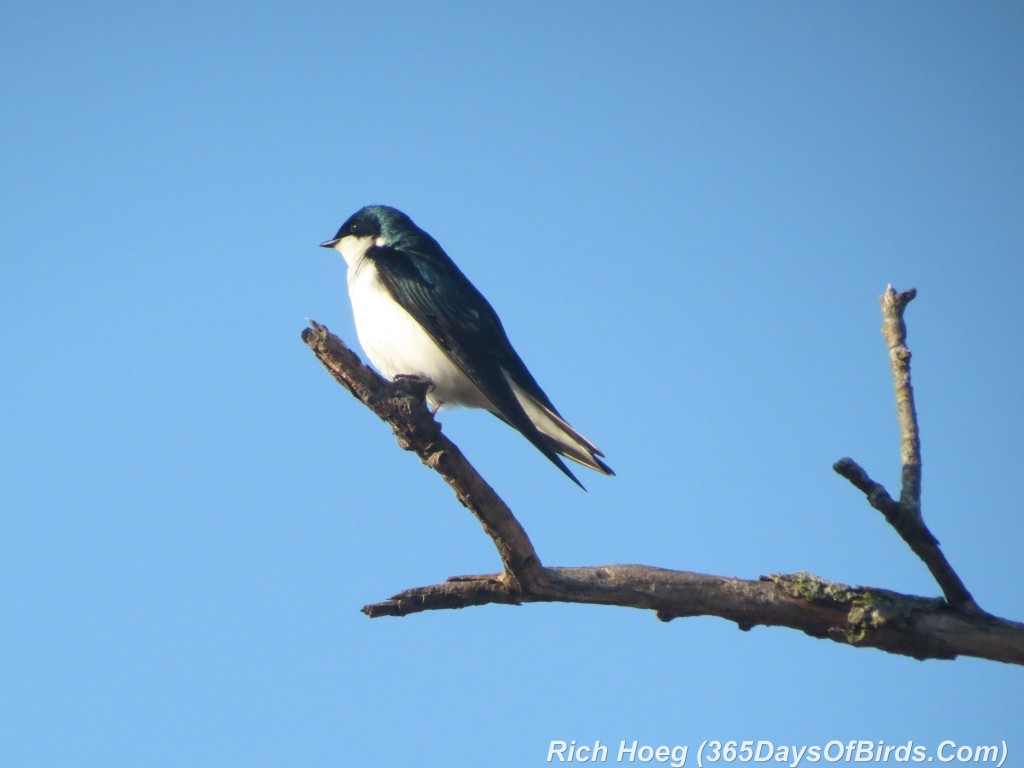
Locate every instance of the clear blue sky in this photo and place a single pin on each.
(684, 213)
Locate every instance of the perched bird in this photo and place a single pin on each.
(417, 315)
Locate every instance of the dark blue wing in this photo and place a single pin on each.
(429, 286)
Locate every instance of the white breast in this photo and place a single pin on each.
(397, 344)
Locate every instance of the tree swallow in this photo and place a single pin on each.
(417, 315)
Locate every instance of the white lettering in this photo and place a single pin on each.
(557, 748)
(635, 752)
(570, 752)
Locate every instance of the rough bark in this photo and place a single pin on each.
(864, 617)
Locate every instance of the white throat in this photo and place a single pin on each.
(353, 248)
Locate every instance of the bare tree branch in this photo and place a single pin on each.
(905, 515)
(402, 405)
(859, 616)
(864, 617)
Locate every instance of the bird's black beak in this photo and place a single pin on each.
(330, 243)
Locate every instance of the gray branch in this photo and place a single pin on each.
(919, 627)
(864, 617)
(402, 404)
(905, 515)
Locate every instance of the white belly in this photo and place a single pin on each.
(397, 344)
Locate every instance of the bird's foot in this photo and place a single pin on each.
(413, 384)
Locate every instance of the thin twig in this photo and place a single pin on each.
(894, 330)
(905, 515)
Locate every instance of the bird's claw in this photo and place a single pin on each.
(417, 385)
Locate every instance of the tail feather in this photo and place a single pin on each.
(559, 434)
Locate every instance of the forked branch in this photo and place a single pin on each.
(905, 515)
(860, 616)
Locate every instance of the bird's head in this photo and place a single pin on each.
(374, 225)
